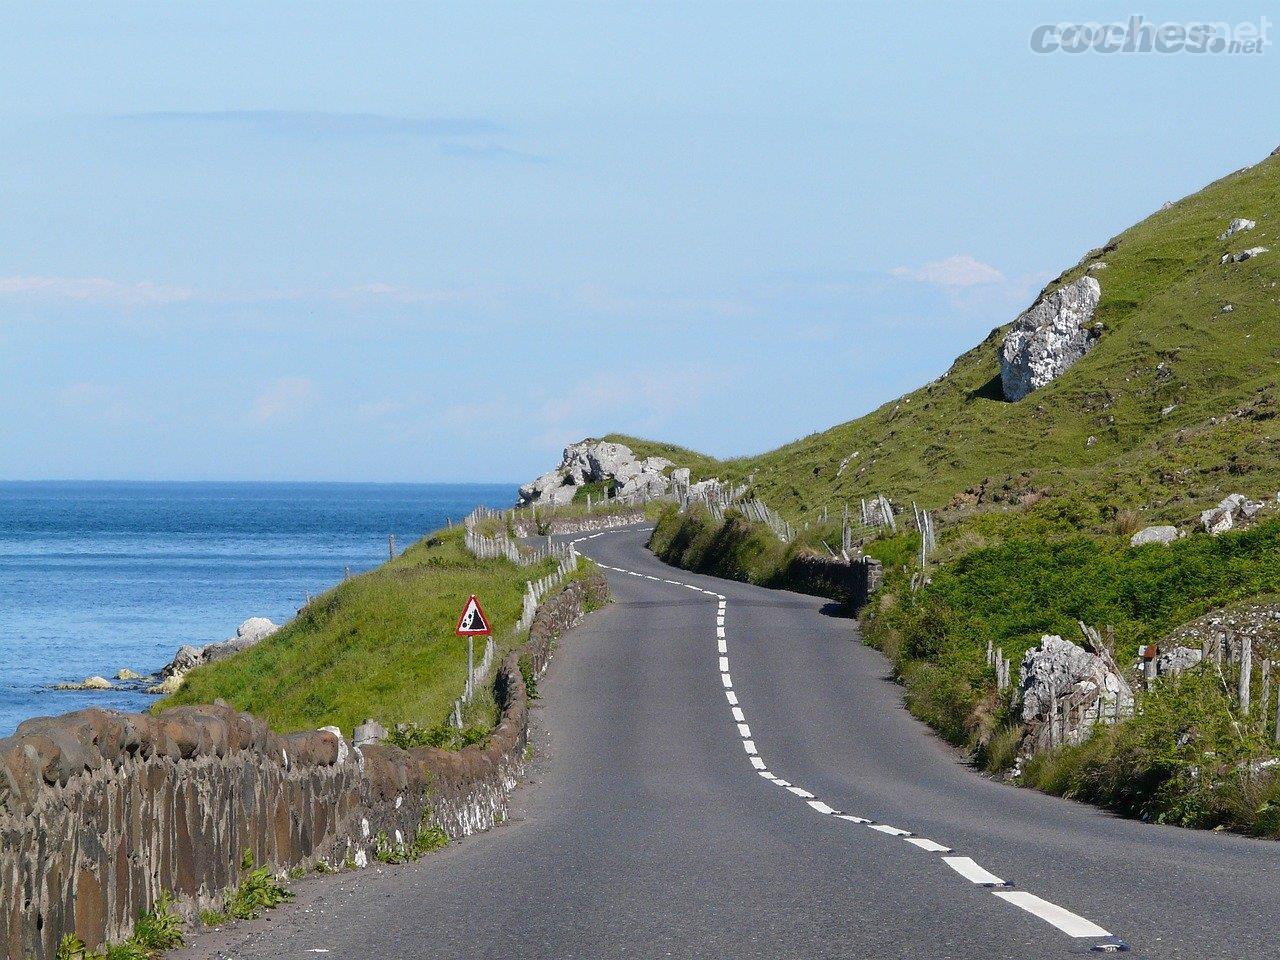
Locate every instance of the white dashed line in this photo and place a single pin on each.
(926, 844)
(891, 831)
(967, 868)
(1069, 923)
(1064, 920)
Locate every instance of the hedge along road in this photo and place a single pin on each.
(730, 773)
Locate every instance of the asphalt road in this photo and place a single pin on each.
(650, 829)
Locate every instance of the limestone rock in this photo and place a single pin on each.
(168, 685)
(371, 731)
(1223, 517)
(1162, 534)
(1061, 684)
(1170, 663)
(1238, 225)
(1049, 338)
(126, 674)
(598, 461)
(681, 475)
(88, 683)
(1243, 255)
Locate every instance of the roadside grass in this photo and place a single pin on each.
(379, 645)
(1017, 591)
(1187, 759)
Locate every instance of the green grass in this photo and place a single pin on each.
(1165, 342)
(378, 645)
(1019, 590)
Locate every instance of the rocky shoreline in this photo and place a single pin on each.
(169, 677)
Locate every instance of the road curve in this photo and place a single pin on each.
(763, 794)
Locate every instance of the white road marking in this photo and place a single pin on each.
(967, 868)
(1069, 923)
(926, 844)
(891, 831)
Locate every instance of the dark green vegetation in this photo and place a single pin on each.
(1174, 408)
(257, 890)
(379, 645)
(157, 930)
(1016, 592)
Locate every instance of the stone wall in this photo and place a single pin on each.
(851, 583)
(102, 812)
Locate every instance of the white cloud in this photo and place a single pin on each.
(283, 399)
(95, 290)
(959, 271)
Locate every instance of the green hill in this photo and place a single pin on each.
(1167, 341)
(1172, 409)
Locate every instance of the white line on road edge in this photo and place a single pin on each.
(1073, 925)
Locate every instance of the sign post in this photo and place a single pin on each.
(473, 623)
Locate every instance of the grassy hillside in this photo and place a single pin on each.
(1166, 342)
(379, 645)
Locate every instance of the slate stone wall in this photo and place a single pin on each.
(102, 812)
(850, 583)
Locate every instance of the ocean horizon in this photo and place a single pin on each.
(101, 575)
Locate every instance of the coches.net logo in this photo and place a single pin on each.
(1140, 35)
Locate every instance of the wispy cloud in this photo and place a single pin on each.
(318, 123)
(95, 290)
(283, 399)
(959, 271)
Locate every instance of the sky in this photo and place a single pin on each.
(381, 242)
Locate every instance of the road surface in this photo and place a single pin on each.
(764, 794)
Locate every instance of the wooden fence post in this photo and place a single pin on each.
(1246, 674)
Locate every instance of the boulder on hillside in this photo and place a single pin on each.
(598, 461)
(1049, 338)
(1238, 225)
(1161, 534)
(1243, 255)
(1223, 517)
(1064, 688)
(1172, 662)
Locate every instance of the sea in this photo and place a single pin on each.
(100, 576)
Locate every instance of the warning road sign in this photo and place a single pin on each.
(473, 622)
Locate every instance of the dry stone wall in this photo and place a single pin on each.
(102, 812)
(851, 583)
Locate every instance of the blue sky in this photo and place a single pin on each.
(416, 242)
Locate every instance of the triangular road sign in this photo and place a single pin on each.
(473, 622)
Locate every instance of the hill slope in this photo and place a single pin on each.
(1168, 341)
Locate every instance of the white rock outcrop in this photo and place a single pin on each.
(596, 461)
(1162, 534)
(1064, 688)
(1223, 517)
(1049, 338)
(1170, 663)
(1244, 255)
(1238, 225)
(250, 633)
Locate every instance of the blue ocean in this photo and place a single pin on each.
(95, 577)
